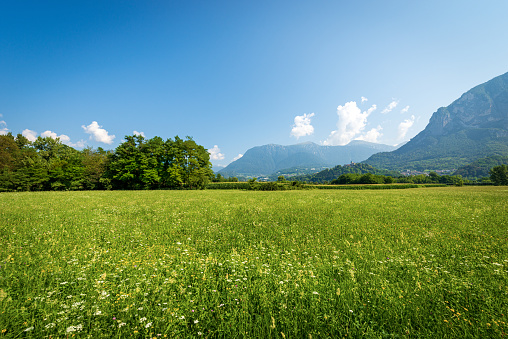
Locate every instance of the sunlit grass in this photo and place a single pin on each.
(413, 263)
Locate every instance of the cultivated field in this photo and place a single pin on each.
(426, 262)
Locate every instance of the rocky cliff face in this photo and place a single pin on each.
(472, 127)
(485, 106)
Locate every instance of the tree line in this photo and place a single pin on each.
(137, 163)
(370, 178)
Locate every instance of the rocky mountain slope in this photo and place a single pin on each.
(473, 127)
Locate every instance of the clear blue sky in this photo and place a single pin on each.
(237, 74)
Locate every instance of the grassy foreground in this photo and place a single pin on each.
(297, 264)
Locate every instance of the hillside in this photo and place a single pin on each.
(335, 172)
(474, 126)
(481, 167)
(268, 159)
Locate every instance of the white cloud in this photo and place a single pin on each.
(390, 107)
(29, 134)
(351, 122)
(139, 133)
(215, 153)
(237, 157)
(364, 99)
(404, 110)
(4, 130)
(371, 109)
(372, 135)
(404, 126)
(98, 133)
(302, 126)
(63, 138)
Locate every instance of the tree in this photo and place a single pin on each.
(388, 180)
(345, 179)
(433, 177)
(151, 164)
(9, 151)
(94, 168)
(189, 164)
(198, 167)
(369, 178)
(125, 163)
(499, 175)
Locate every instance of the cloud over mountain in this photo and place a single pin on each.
(404, 126)
(372, 135)
(302, 126)
(351, 122)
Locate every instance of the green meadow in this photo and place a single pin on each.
(415, 263)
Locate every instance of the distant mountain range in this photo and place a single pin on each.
(473, 127)
(262, 161)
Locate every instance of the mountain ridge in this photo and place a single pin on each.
(267, 159)
(472, 127)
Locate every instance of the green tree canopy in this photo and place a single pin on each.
(499, 175)
(139, 163)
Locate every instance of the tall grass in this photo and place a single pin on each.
(314, 263)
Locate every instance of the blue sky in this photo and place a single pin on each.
(239, 74)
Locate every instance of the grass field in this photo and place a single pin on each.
(426, 262)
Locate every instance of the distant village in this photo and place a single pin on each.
(409, 173)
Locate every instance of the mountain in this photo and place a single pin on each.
(267, 159)
(330, 174)
(474, 126)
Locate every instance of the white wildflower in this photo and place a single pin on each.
(74, 328)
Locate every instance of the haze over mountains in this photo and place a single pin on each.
(474, 126)
(306, 157)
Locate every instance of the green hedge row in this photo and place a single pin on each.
(227, 186)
